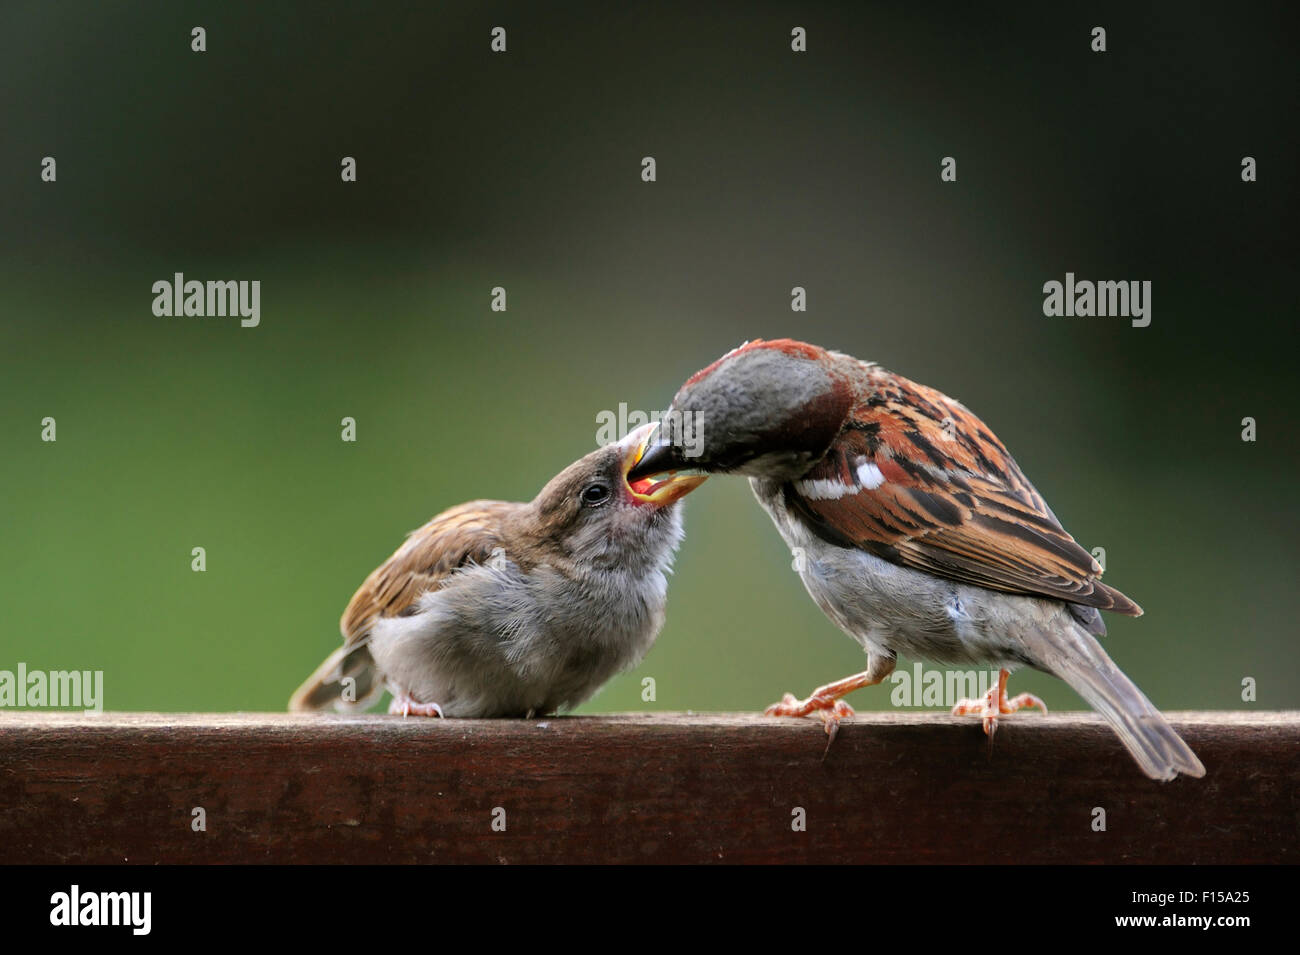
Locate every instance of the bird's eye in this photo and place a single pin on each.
(594, 495)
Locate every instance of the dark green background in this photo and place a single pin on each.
(523, 170)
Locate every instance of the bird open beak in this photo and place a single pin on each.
(646, 481)
(656, 456)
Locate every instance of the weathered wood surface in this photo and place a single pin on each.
(895, 788)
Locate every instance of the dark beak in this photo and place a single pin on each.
(660, 456)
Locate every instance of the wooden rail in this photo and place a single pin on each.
(893, 788)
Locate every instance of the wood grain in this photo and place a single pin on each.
(894, 788)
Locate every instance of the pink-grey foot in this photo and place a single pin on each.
(994, 703)
(824, 702)
(403, 705)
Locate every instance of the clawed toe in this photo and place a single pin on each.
(788, 706)
(403, 705)
(826, 708)
(994, 703)
(826, 702)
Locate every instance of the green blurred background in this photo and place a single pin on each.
(523, 170)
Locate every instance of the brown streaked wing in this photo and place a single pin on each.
(953, 502)
(468, 533)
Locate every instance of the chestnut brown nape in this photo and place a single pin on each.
(762, 410)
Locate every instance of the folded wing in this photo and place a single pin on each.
(917, 479)
(467, 534)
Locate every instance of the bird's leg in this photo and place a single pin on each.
(403, 705)
(825, 701)
(995, 704)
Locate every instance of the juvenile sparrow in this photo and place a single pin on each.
(919, 533)
(502, 609)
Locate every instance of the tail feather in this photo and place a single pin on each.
(325, 688)
(1079, 660)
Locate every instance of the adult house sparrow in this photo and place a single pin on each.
(496, 609)
(919, 533)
